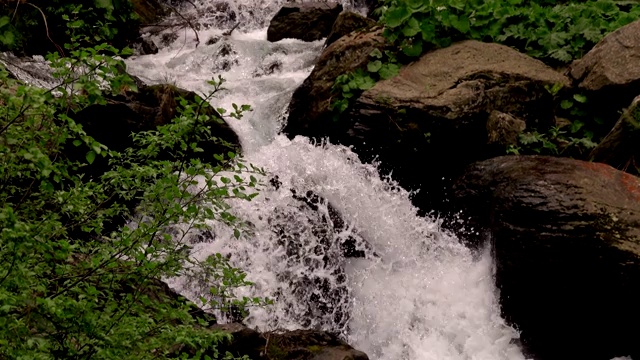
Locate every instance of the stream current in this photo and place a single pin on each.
(418, 294)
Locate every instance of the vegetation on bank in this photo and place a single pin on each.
(76, 280)
(42, 26)
(556, 32)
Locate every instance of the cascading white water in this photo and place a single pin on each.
(417, 294)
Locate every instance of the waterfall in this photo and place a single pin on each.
(391, 283)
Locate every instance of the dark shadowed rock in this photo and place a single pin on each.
(566, 238)
(310, 102)
(436, 110)
(149, 11)
(346, 23)
(307, 22)
(287, 345)
(114, 123)
(313, 236)
(620, 147)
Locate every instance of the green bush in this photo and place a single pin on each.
(555, 33)
(70, 288)
(42, 26)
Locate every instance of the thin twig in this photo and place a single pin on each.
(188, 22)
(16, 10)
(228, 33)
(46, 26)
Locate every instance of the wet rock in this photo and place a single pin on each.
(503, 129)
(289, 345)
(149, 11)
(566, 239)
(620, 147)
(612, 62)
(212, 40)
(268, 68)
(346, 23)
(310, 102)
(112, 124)
(436, 109)
(306, 21)
(168, 38)
(315, 242)
(145, 46)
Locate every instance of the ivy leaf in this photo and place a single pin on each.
(105, 4)
(414, 49)
(396, 16)
(580, 98)
(387, 71)
(376, 53)
(366, 83)
(412, 28)
(374, 66)
(4, 21)
(460, 23)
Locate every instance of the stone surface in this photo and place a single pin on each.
(149, 11)
(346, 23)
(503, 129)
(620, 147)
(305, 21)
(112, 124)
(287, 345)
(309, 105)
(436, 110)
(610, 70)
(566, 239)
(612, 62)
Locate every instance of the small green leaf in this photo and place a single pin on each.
(374, 66)
(396, 16)
(414, 49)
(4, 21)
(580, 98)
(91, 156)
(387, 71)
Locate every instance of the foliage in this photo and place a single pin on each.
(74, 284)
(348, 86)
(39, 26)
(556, 32)
(552, 32)
(574, 137)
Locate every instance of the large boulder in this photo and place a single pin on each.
(113, 124)
(453, 106)
(620, 147)
(310, 101)
(305, 21)
(346, 23)
(566, 239)
(610, 71)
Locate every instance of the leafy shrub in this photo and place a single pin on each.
(552, 32)
(41, 26)
(72, 287)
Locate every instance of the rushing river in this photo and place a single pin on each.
(418, 294)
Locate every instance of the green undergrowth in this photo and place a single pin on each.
(556, 32)
(76, 281)
(42, 26)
